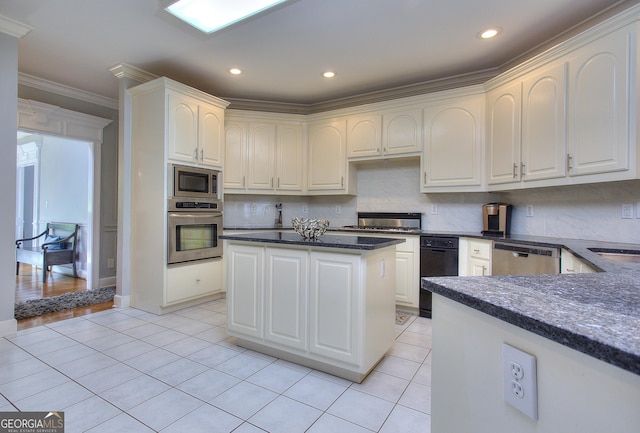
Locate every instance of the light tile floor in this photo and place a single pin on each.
(125, 370)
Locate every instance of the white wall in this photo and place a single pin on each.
(580, 212)
(576, 393)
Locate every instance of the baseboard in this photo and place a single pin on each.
(122, 301)
(8, 327)
(107, 282)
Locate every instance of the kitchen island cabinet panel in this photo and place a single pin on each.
(285, 297)
(245, 288)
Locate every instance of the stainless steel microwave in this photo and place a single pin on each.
(194, 182)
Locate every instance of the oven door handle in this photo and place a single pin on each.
(194, 215)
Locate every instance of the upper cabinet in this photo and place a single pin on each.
(453, 143)
(566, 117)
(385, 134)
(195, 131)
(327, 169)
(526, 132)
(602, 75)
(263, 156)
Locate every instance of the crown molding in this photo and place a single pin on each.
(13, 28)
(63, 90)
(124, 70)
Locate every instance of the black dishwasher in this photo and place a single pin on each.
(438, 258)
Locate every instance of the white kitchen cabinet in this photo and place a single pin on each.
(165, 114)
(285, 297)
(328, 170)
(328, 309)
(600, 87)
(453, 145)
(474, 257)
(245, 289)
(193, 280)
(334, 316)
(263, 157)
(364, 136)
(196, 131)
(408, 272)
(526, 127)
(402, 132)
(570, 264)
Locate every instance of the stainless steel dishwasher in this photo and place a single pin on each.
(518, 259)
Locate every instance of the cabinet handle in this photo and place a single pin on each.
(243, 181)
(378, 150)
(476, 250)
(570, 270)
(271, 182)
(522, 169)
(515, 167)
(278, 184)
(425, 177)
(569, 158)
(201, 154)
(195, 154)
(342, 181)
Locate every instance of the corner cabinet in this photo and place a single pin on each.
(263, 156)
(195, 130)
(169, 122)
(328, 171)
(453, 145)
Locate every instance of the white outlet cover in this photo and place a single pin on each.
(520, 390)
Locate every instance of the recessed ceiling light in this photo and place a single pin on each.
(211, 15)
(235, 71)
(329, 74)
(489, 33)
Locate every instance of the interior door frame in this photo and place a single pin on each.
(38, 117)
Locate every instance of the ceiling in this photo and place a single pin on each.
(372, 45)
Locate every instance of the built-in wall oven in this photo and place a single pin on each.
(194, 229)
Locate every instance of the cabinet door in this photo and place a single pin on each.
(453, 143)
(285, 297)
(193, 281)
(402, 132)
(327, 156)
(211, 136)
(183, 128)
(479, 268)
(503, 134)
(245, 267)
(364, 136)
(289, 158)
(235, 155)
(543, 124)
(406, 282)
(599, 76)
(261, 148)
(335, 298)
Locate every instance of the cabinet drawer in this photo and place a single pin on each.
(480, 249)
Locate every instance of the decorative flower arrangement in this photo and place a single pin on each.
(309, 228)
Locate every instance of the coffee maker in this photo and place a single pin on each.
(496, 219)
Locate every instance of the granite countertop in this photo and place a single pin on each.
(596, 313)
(325, 241)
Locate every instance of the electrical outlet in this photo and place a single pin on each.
(627, 210)
(520, 380)
(338, 209)
(434, 209)
(305, 209)
(529, 210)
(253, 208)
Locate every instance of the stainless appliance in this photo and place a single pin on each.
(438, 258)
(514, 259)
(194, 228)
(194, 182)
(496, 219)
(389, 221)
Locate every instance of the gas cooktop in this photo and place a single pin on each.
(408, 222)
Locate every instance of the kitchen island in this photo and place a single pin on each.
(583, 329)
(327, 303)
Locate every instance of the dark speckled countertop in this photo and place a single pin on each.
(596, 313)
(324, 241)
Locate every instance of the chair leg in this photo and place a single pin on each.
(44, 273)
(17, 268)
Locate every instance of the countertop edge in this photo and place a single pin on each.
(581, 343)
(325, 241)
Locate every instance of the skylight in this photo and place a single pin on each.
(209, 16)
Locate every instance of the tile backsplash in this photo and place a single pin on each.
(590, 211)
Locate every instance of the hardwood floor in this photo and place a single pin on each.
(29, 285)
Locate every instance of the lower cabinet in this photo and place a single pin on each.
(474, 257)
(193, 280)
(329, 310)
(570, 264)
